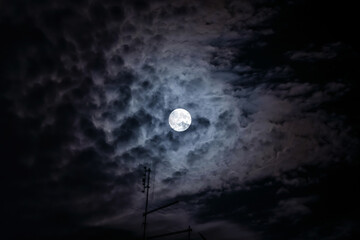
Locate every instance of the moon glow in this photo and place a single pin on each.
(179, 120)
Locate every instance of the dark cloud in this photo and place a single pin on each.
(87, 86)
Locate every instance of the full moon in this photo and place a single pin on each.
(179, 120)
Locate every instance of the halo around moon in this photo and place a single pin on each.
(179, 120)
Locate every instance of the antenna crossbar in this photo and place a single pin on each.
(159, 208)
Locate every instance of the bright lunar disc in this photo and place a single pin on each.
(179, 120)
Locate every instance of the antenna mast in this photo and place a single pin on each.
(146, 185)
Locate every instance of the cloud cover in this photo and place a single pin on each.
(88, 89)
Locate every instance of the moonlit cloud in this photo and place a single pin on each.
(89, 90)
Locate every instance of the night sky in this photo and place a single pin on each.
(86, 89)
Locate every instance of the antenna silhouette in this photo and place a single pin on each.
(146, 186)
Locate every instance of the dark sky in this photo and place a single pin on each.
(86, 88)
